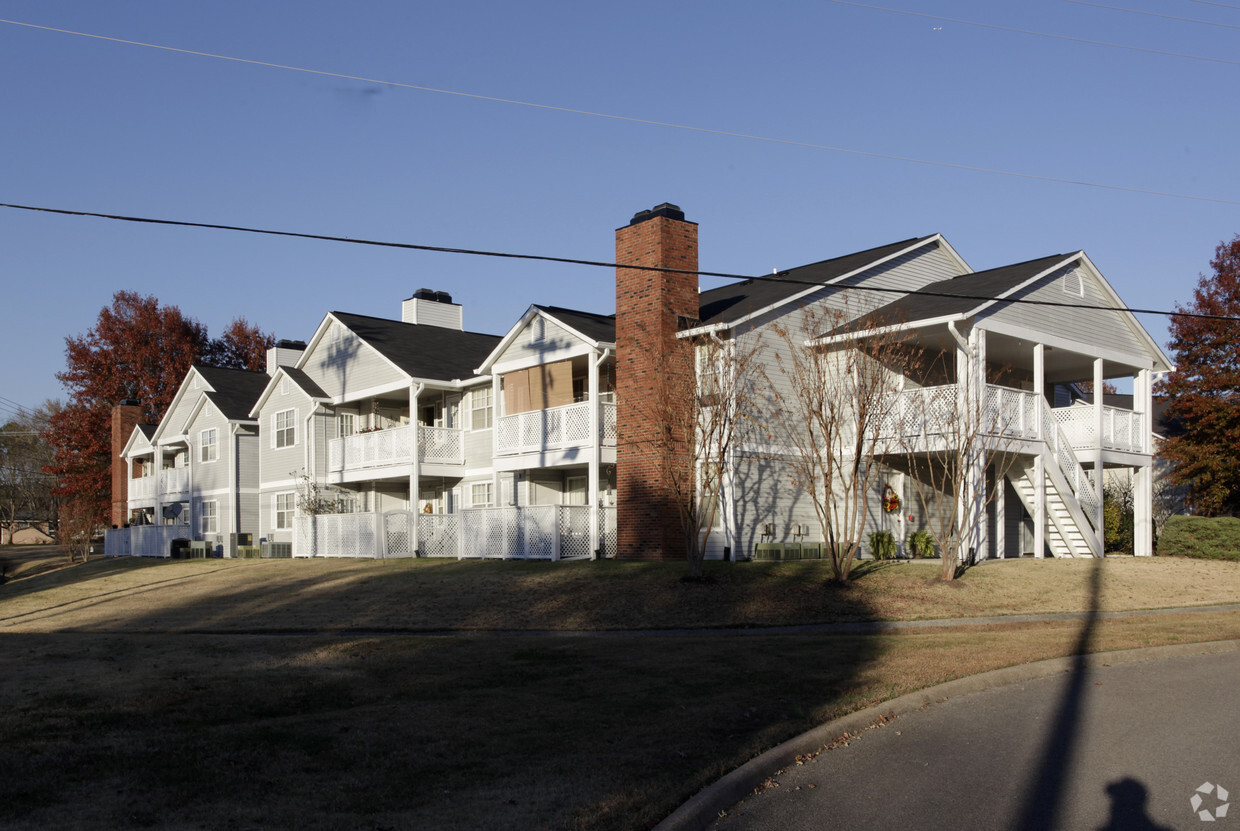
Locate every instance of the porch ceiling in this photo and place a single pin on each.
(1007, 352)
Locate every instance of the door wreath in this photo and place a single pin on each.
(891, 502)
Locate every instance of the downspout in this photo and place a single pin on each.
(729, 462)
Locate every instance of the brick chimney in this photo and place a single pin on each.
(125, 416)
(650, 308)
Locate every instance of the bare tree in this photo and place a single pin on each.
(946, 436)
(831, 386)
(25, 489)
(700, 426)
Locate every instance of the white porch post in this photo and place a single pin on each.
(1097, 449)
(1000, 517)
(596, 444)
(1039, 461)
(1143, 476)
(415, 467)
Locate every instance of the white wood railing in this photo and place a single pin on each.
(173, 480)
(394, 446)
(142, 488)
(554, 428)
(537, 532)
(1121, 429)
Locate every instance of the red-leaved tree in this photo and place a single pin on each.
(138, 350)
(1203, 412)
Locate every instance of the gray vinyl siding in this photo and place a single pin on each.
(1085, 326)
(907, 273)
(765, 491)
(479, 446)
(174, 421)
(247, 480)
(556, 340)
(342, 364)
(209, 476)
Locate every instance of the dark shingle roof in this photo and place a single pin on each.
(236, 390)
(956, 296)
(600, 328)
(304, 381)
(421, 350)
(731, 302)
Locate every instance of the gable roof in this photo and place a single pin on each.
(418, 349)
(233, 391)
(958, 297)
(299, 377)
(731, 303)
(594, 327)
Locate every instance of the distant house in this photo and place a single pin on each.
(426, 439)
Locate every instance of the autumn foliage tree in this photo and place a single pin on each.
(137, 350)
(1203, 411)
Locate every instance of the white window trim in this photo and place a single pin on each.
(489, 409)
(213, 515)
(275, 510)
(214, 445)
(276, 429)
(490, 495)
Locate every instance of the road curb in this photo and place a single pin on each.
(706, 805)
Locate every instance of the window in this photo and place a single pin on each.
(284, 510)
(481, 495)
(575, 488)
(346, 424)
(208, 450)
(481, 408)
(285, 428)
(209, 518)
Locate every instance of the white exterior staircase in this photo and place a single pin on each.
(1069, 532)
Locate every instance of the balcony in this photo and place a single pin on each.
(1017, 414)
(394, 447)
(174, 481)
(142, 489)
(555, 428)
(1121, 429)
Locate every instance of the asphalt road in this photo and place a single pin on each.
(1099, 747)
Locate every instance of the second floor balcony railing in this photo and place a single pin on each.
(142, 488)
(394, 446)
(173, 481)
(554, 428)
(1121, 429)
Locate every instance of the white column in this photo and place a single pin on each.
(1039, 462)
(1097, 450)
(1143, 476)
(415, 468)
(596, 446)
(1000, 516)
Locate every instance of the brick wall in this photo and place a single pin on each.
(650, 366)
(125, 417)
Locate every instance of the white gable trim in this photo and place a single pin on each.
(185, 389)
(274, 384)
(937, 238)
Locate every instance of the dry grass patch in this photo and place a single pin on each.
(431, 595)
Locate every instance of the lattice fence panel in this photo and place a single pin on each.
(398, 534)
(440, 444)
(539, 523)
(574, 532)
(439, 535)
(609, 424)
(576, 420)
(607, 531)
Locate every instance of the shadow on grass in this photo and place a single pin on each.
(604, 731)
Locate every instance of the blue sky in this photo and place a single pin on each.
(102, 126)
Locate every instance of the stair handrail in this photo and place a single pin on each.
(1069, 465)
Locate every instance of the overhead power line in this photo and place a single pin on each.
(1154, 14)
(779, 277)
(1015, 30)
(691, 128)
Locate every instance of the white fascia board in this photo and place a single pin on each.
(183, 390)
(321, 333)
(594, 344)
(831, 340)
(1079, 347)
(137, 437)
(546, 358)
(817, 287)
(1159, 357)
(271, 387)
(507, 340)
